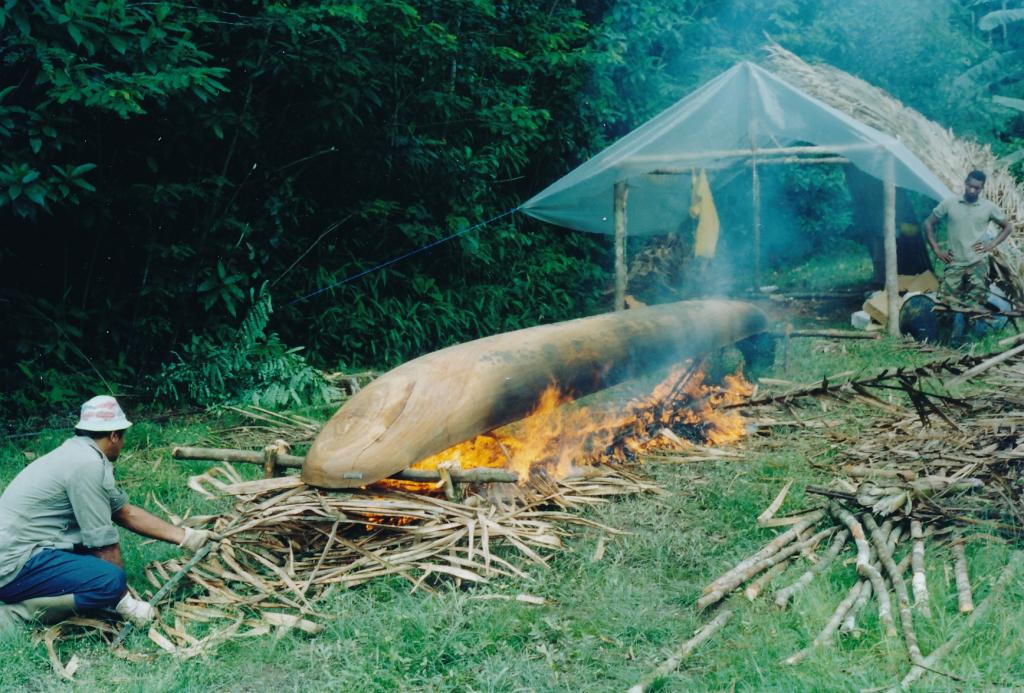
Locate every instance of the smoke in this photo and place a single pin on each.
(914, 49)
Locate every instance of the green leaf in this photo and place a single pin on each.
(994, 20)
(76, 33)
(82, 168)
(35, 143)
(29, 177)
(37, 194)
(14, 192)
(119, 44)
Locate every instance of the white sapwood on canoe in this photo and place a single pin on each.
(446, 397)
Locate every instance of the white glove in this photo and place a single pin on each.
(194, 539)
(138, 612)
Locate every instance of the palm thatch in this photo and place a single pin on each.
(949, 157)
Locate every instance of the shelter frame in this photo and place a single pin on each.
(758, 156)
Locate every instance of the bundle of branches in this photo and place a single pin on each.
(946, 458)
(880, 572)
(948, 156)
(286, 545)
(263, 424)
(944, 465)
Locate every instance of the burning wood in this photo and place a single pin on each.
(438, 400)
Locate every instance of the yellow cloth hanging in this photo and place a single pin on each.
(702, 207)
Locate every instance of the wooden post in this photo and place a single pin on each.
(621, 195)
(755, 183)
(891, 272)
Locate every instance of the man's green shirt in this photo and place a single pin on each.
(62, 500)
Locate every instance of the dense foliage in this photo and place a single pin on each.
(161, 162)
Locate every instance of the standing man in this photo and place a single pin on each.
(965, 280)
(60, 553)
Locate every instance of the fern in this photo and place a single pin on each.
(253, 366)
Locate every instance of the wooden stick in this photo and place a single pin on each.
(1012, 339)
(478, 475)
(757, 585)
(919, 582)
(984, 366)
(942, 650)
(621, 191)
(899, 587)
(755, 201)
(673, 662)
(738, 579)
(829, 334)
(786, 593)
(889, 226)
(774, 506)
(850, 622)
(866, 569)
(669, 159)
(828, 632)
(767, 550)
(963, 582)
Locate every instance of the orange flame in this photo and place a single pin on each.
(556, 437)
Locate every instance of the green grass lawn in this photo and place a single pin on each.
(606, 623)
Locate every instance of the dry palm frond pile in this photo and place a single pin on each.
(263, 424)
(911, 484)
(946, 155)
(286, 545)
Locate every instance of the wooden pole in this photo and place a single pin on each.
(755, 184)
(891, 277)
(621, 195)
(681, 159)
(755, 181)
(477, 475)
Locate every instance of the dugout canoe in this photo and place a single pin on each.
(446, 397)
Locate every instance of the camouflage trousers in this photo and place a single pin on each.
(965, 288)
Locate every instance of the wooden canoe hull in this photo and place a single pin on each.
(446, 397)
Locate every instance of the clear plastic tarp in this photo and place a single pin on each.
(746, 114)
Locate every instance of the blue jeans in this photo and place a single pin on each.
(94, 582)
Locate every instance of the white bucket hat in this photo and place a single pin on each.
(102, 413)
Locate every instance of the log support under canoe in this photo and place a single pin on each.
(274, 461)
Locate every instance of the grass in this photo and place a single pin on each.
(842, 263)
(608, 622)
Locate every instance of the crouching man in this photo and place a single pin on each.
(59, 550)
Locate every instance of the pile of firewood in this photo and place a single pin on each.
(916, 482)
(285, 545)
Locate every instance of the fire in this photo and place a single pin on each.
(561, 434)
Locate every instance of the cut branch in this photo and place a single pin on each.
(919, 582)
(942, 650)
(866, 569)
(786, 593)
(670, 664)
(899, 587)
(963, 582)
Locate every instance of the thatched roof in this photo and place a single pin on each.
(948, 156)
